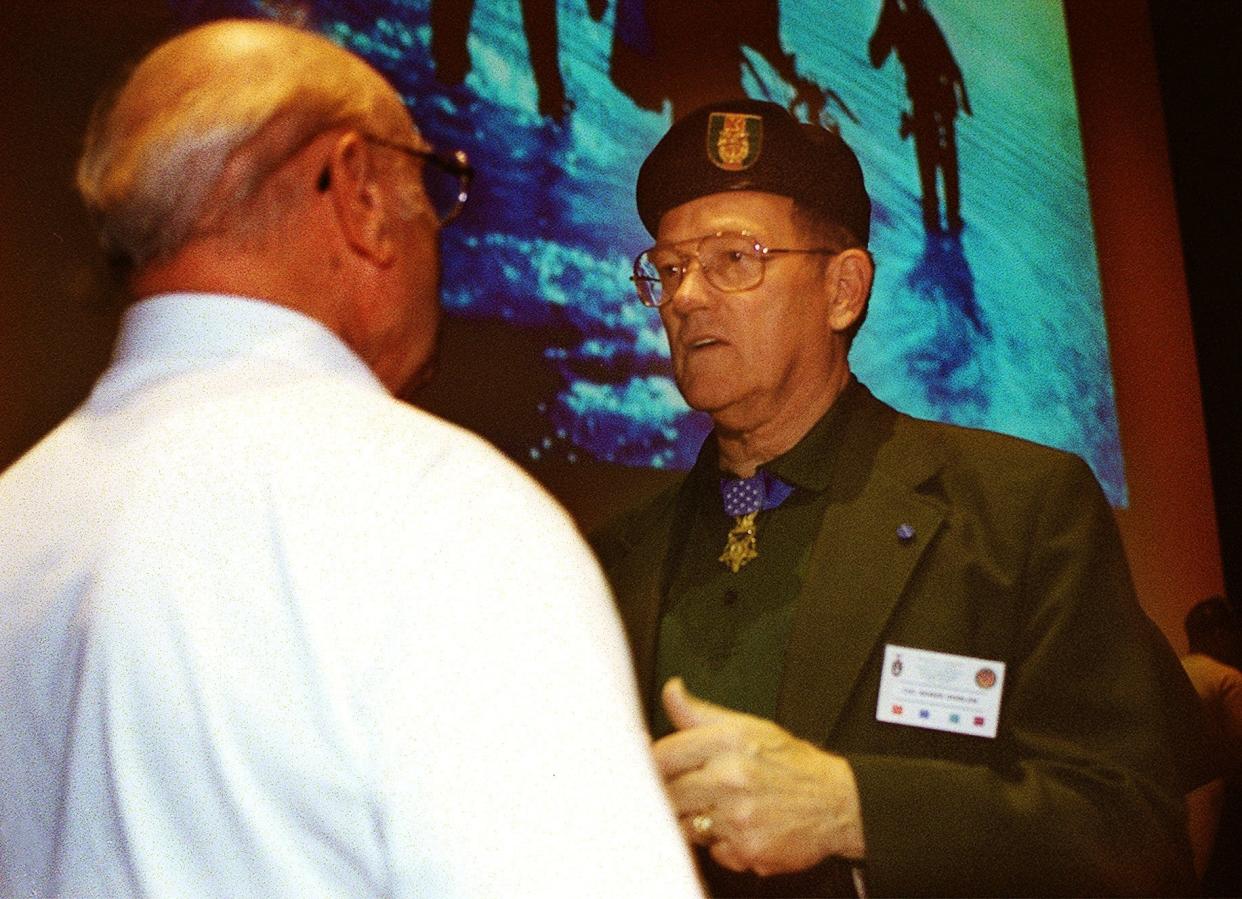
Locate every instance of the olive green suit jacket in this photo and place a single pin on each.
(1014, 557)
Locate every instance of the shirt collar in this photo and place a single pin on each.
(807, 464)
(178, 332)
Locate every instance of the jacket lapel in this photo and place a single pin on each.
(638, 581)
(874, 531)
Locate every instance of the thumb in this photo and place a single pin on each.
(685, 710)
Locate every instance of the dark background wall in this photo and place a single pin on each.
(1199, 57)
(57, 315)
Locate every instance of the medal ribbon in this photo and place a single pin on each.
(744, 498)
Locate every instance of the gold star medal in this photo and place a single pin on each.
(743, 498)
(741, 545)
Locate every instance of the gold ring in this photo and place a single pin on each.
(702, 825)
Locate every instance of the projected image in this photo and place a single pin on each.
(986, 309)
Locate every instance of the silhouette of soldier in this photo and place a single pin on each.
(936, 91)
(450, 26)
(691, 54)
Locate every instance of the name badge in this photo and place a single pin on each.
(940, 691)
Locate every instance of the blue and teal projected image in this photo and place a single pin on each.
(986, 309)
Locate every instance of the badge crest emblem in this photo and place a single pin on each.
(985, 678)
(734, 140)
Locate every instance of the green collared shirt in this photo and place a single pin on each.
(725, 633)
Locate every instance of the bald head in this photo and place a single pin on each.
(206, 118)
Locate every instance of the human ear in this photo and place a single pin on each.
(362, 214)
(850, 273)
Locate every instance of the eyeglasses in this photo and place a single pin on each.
(730, 261)
(446, 179)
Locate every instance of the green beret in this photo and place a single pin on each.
(754, 145)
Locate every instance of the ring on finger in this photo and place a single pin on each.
(702, 825)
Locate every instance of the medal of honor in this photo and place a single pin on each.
(743, 498)
(741, 545)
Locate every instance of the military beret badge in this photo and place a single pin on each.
(734, 140)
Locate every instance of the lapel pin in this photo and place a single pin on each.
(905, 533)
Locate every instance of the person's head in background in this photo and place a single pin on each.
(256, 159)
(1213, 629)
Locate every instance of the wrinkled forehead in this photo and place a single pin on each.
(712, 242)
(768, 216)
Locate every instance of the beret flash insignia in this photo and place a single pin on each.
(734, 140)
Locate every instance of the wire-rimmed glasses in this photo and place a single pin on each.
(731, 261)
(446, 177)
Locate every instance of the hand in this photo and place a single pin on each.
(776, 804)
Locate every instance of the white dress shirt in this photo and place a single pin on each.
(265, 630)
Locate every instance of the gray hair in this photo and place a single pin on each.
(161, 159)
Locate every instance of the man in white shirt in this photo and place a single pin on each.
(263, 628)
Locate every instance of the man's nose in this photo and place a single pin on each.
(693, 289)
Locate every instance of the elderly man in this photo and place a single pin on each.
(268, 631)
(892, 655)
